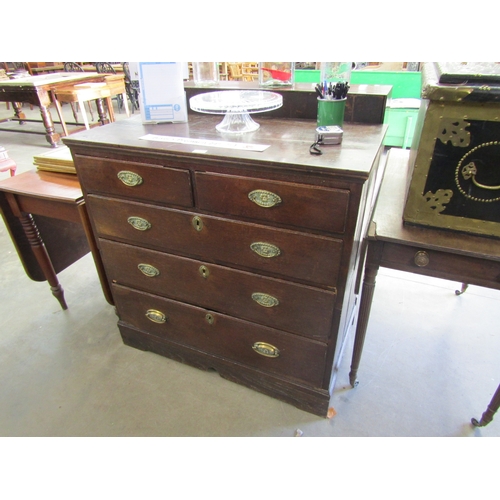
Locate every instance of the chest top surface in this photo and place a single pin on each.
(287, 142)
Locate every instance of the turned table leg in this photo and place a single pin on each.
(103, 117)
(52, 136)
(18, 112)
(373, 257)
(42, 257)
(487, 416)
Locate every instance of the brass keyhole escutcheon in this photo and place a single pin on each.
(209, 318)
(203, 270)
(197, 223)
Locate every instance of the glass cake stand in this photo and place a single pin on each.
(236, 105)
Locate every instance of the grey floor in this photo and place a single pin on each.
(430, 361)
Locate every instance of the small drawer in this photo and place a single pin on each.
(152, 183)
(276, 303)
(217, 334)
(279, 252)
(297, 205)
(442, 264)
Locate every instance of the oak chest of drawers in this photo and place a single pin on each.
(240, 261)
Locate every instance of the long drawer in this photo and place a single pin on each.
(292, 254)
(298, 205)
(142, 181)
(240, 341)
(272, 302)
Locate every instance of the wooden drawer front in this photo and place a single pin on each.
(301, 256)
(297, 205)
(444, 265)
(221, 335)
(280, 304)
(151, 183)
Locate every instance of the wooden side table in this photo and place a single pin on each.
(46, 217)
(431, 252)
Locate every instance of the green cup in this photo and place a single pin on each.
(331, 111)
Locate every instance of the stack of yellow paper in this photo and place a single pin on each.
(57, 160)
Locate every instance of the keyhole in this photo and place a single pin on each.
(209, 319)
(204, 271)
(197, 223)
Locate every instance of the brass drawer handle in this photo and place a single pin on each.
(148, 270)
(265, 300)
(421, 258)
(267, 250)
(265, 199)
(139, 223)
(129, 178)
(266, 349)
(156, 316)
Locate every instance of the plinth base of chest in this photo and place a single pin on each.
(312, 400)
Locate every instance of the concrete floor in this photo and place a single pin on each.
(430, 361)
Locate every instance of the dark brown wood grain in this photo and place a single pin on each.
(303, 257)
(226, 336)
(202, 229)
(310, 207)
(159, 184)
(303, 310)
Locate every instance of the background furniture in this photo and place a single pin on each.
(402, 105)
(131, 87)
(36, 90)
(7, 164)
(258, 284)
(82, 94)
(75, 67)
(431, 252)
(365, 103)
(117, 86)
(46, 217)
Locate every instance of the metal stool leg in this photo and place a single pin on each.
(487, 416)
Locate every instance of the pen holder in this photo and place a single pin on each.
(331, 111)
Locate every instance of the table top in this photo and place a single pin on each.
(236, 101)
(47, 79)
(288, 140)
(45, 185)
(387, 222)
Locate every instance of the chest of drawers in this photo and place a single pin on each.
(239, 261)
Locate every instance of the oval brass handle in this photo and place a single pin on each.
(267, 250)
(148, 270)
(265, 300)
(129, 178)
(156, 316)
(265, 199)
(265, 349)
(421, 258)
(139, 223)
